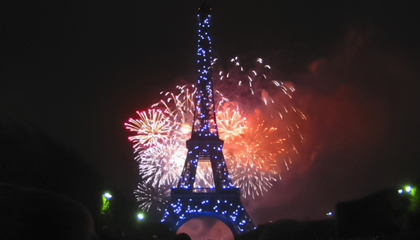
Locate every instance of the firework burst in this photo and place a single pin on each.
(230, 124)
(255, 118)
(253, 156)
(252, 181)
(162, 164)
(152, 195)
(151, 128)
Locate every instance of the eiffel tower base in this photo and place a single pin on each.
(225, 206)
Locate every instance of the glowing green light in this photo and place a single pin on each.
(408, 189)
(140, 216)
(105, 202)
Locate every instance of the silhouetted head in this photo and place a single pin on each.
(182, 236)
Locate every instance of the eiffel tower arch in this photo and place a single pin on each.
(224, 206)
(221, 200)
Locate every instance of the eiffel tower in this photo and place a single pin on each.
(222, 200)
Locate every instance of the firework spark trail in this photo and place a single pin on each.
(150, 194)
(179, 106)
(252, 181)
(255, 118)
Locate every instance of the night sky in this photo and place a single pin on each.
(77, 70)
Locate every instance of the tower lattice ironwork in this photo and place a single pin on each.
(222, 200)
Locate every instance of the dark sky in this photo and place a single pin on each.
(78, 70)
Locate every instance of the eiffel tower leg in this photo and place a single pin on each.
(187, 178)
(220, 172)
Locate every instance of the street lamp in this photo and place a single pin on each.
(107, 195)
(105, 202)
